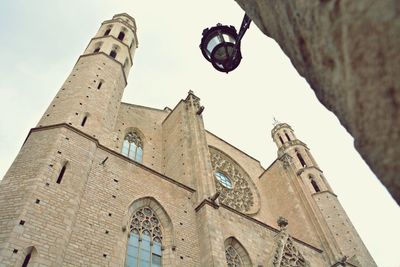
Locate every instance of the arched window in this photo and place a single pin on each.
(113, 54)
(315, 185)
(145, 240)
(96, 50)
(133, 147)
(287, 136)
(121, 36)
(280, 139)
(107, 32)
(62, 172)
(236, 255)
(302, 162)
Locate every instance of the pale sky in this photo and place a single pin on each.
(41, 41)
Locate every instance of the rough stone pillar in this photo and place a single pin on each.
(348, 51)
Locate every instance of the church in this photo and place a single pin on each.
(99, 182)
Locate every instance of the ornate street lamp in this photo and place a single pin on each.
(221, 45)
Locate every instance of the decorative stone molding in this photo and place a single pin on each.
(286, 160)
(243, 196)
(236, 255)
(286, 253)
(145, 221)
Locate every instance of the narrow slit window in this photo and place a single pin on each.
(27, 259)
(280, 139)
(121, 36)
(60, 176)
(107, 32)
(315, 185)
(287, 136)
(302, 162)
(84, 121)
(99, 85)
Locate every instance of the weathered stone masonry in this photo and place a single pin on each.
(73, 197)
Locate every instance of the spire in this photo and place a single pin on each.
(276, 122)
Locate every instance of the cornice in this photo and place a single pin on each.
(280, 126)
(241, 151)
(299, 172)
(128, 16)
(322, 192)
(139, 106)
(290, 144)
(127, 25)
(172, 111)
(110, 151)
(116, 39)
(269, 227)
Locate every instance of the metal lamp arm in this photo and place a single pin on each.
(243, 28)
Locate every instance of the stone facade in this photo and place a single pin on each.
(348, 51)
(72, 197)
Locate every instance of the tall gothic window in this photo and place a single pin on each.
(145, 240)
(232, 257)
(121, 36)
(280, 139)
(133, 147)
(107, 32)
(315, 185)
(287, 136)
(235, 253)
(302, 162)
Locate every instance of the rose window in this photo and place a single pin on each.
(233, 183)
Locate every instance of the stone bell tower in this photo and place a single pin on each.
(336, 232)
(41, 193)
(90, 97)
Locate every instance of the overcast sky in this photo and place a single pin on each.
(41, 41)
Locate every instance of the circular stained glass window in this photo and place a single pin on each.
(223, 179)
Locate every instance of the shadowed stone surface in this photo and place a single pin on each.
(348, 51)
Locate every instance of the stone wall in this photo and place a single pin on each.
(348, 51)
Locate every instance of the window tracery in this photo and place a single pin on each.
(232, 257)
(133, 147)
(237, 192)
(286, 253)
(145, 241)
(235, 254)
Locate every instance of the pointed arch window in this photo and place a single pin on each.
(107, 32)
(113, 53)
(121, 36)
(133, 147)
(287, 136)
(232, 257)
(302, 162)
(315, 185)
(236, 255)
(145, 240)
(280, 139)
